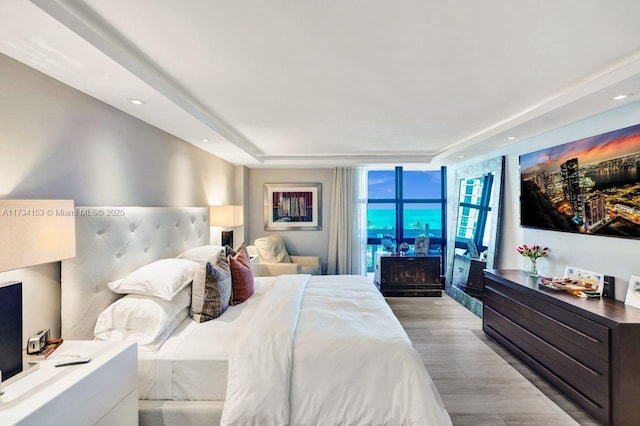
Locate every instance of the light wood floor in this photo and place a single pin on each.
(480, 382)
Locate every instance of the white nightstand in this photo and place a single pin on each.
(103, 391)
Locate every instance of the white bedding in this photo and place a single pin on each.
(303, 351)
(192, 364)
(327, 350)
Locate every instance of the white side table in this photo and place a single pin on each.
(101, 392)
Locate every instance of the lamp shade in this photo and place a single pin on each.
(36, 231)
(225, 215)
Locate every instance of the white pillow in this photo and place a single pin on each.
(147, 320)
(201, 253)
(163, 278)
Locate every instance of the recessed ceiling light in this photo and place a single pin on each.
(620, 97)
(137, 101)
(461, 156)
(512, 138)
(204, 140)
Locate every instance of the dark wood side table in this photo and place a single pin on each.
(415, 276)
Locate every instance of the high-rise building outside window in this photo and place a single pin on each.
(474, 212)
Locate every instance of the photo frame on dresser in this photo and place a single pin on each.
(421, 245)
(593, 280)
(633, 292)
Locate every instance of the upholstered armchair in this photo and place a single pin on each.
(274, 259)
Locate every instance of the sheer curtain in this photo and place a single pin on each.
(348, 232)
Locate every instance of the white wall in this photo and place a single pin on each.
(56, 142)
(311, 243)
(608, 255)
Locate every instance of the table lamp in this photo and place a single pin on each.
(32, 232)
(227, 217)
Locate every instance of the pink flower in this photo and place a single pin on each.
(534, 252)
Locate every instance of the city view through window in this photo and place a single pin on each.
(405, 204)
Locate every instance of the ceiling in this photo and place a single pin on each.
(325, 83)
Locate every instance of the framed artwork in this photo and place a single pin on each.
(587, 186)
(592, 280)
(633, 292)
(292, 206)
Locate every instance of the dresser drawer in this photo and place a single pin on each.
(592, 351)
(592, 384)
(597, 335)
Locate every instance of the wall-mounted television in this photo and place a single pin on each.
(588, 186)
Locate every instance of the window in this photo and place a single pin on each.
(474, 211)
(405, 204)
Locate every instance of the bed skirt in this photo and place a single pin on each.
(179, 413)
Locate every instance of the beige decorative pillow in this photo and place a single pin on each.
(272, 249)
(211, 291)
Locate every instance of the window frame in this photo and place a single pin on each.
(399, 202)
(483, 209)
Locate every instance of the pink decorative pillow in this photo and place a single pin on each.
(241, 278)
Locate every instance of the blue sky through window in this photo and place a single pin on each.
(419, 203)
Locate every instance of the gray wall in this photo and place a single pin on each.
(607, 255)
(57, 142)
(312, 243)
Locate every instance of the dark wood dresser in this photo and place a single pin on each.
(408, 275)
(587, 348)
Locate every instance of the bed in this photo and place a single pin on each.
(301, 350)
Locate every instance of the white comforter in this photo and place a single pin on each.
(327, 350)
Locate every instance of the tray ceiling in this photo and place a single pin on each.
(315, 83)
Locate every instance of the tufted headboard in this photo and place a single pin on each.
(113, 241)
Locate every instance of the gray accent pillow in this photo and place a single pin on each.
(211, 290)
(228, 250)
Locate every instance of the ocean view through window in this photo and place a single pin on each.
(405, 204)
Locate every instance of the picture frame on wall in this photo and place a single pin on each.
(633, 292)
(585, 186)
(292, 206)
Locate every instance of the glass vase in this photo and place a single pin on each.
(533, 269)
